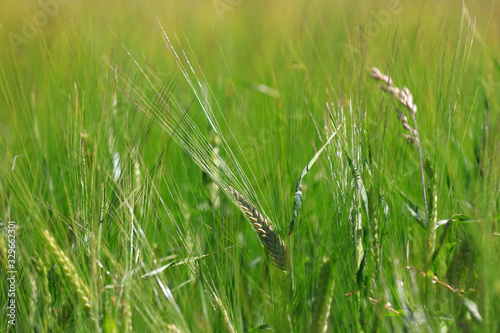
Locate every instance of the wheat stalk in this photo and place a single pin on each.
(432, 223)
(274, 246)
(225, 314)
(323, 299)
(45, 296)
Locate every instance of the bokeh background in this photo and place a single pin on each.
(79, 159)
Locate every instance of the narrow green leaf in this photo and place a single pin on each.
(298, 191)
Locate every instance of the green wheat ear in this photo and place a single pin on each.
(272, 242)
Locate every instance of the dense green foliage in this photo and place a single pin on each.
(119, 229)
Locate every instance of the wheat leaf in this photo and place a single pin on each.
(298, 190)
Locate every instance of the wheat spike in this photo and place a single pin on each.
(269, 238)
(403, 95)
(69, 270)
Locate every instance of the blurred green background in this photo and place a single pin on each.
(279, 73)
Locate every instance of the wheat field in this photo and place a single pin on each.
(249, 166)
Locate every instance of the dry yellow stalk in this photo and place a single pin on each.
(406, 99)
